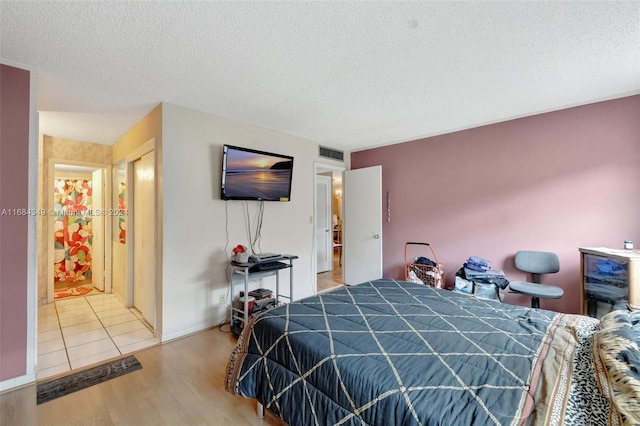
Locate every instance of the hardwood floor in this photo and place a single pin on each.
(331, 279)
(181, 383)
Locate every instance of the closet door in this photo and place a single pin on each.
(144, 237)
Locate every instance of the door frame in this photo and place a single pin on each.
(106, 238)
(317, 169)
(130, 159)
(98, 224)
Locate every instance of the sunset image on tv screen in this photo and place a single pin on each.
(251, 175)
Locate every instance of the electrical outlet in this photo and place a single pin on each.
(222, 299)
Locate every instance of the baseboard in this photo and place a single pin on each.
(164, 338)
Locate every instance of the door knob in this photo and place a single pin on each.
(376, 236)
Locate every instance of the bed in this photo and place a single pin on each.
(390, 352)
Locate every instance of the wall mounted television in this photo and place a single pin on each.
(249, 174)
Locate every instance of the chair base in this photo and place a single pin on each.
(535, 302)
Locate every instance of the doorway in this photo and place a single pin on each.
(78, 331)
(78, 260)
(324, 251)
(328, 226)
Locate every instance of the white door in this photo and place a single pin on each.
(324, 234)
(98, 239)
(144, 237)
(362, 225)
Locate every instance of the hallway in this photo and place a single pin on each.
(331, 279)
(80, 331)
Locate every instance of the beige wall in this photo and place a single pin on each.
(59, 149)
(200, 228)
(193, 273)
(149, 127)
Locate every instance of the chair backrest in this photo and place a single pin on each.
(537, 262)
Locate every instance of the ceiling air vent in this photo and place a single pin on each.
(331, 153)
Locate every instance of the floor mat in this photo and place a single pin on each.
(71, 291)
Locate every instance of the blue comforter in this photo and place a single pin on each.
(396, 353)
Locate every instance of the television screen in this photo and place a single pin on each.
(248, 174)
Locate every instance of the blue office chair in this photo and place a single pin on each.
(536, 263)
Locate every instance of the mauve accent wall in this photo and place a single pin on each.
(554, 182)
(14, 190)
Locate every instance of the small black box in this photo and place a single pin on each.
(260, 293)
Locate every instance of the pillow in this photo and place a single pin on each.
(617, 363)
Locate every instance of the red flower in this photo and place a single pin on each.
(76, 205)
(239, 249)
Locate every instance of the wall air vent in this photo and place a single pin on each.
(333, 154)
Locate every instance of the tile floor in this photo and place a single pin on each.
(79, 331)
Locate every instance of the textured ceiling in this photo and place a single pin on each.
(348, 75)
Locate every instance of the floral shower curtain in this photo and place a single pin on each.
(72, 231)
(122, 209)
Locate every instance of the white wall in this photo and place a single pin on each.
(194, 239)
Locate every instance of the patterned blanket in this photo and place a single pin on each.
(396, 353)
